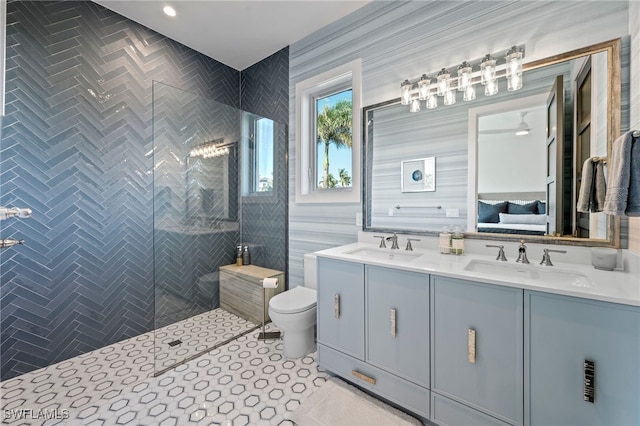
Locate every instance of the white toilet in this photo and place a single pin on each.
(294, 313)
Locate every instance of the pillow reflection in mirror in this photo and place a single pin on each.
(489, 213)
(542, 207)
(530, 208)
(523, 219)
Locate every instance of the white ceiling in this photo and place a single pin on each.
(237, 33)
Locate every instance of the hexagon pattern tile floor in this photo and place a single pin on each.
(245, 381)
(198, 334)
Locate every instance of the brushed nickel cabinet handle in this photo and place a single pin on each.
(364, 377)
(393, 323)
(471, 346)
(336, 306)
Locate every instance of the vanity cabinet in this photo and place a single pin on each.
(376, 332)
(397, 318)
(340, 306)
(563, 335)
(477, 353)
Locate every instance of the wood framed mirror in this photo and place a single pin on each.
(576, 93)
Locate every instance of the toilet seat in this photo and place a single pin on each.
(292, 301)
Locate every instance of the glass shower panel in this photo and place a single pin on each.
(196, 224)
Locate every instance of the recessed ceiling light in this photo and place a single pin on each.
(169, 11)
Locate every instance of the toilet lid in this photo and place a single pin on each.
(297, 299)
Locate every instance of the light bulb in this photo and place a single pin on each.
(487, 69)
(464, 76)
(443, 81)
(514, 69)
(415, 105)
(423, 87)
(450, 97)
(405, 93)
(469, 93)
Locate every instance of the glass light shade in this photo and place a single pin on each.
(432, 101)
(415, 105)
(464, 76)
(514, 69)
(405, 92)
(469, 93)
(443, 81)
(487, 69)
(450, 97)
(423, 87)
(491, 88)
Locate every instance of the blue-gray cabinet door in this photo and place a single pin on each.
(561, 333)
(477, 348)
(341, 306)
(398, 322)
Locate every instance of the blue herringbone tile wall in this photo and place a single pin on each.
(264, 90)
(76, 143)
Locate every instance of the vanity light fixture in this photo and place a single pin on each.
(169, 11)
(486, 71)
(210, 150)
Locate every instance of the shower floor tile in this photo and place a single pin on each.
(197, 334)
(105, 374)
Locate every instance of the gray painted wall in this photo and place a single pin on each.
(398, 40)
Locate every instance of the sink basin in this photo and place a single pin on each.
(544, 274)
(507, 270)
(382, 254)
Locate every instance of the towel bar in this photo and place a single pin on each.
(636, 134)
(398, 207)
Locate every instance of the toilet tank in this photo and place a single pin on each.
(310, 271)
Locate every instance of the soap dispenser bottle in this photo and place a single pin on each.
(239, 255)
(444, 241)
(246, 256)
(457, 241)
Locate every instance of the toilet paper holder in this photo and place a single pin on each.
(271, 334)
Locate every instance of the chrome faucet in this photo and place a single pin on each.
(382, 244)
(501, 255)
(409, 247)
(546, 259)
(522, 253)
(394, 241)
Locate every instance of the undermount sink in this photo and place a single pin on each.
(382, 254)
(544, 274)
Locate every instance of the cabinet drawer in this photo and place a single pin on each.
(446, 412)
(477, 341)
(408, 395)
(341, 306)
(398, 322)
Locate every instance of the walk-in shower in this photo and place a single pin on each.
(207, 158)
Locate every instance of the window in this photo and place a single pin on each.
(262, 161)
(328, 136)
(257, 156)
(334, 132)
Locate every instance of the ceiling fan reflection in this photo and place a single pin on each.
(521, 130)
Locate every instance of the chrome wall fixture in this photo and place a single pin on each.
(486, 72)
(10, 212)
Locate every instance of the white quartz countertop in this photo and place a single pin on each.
(589, 283)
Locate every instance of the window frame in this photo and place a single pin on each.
(308, 91)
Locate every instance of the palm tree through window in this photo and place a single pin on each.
(334, 131)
